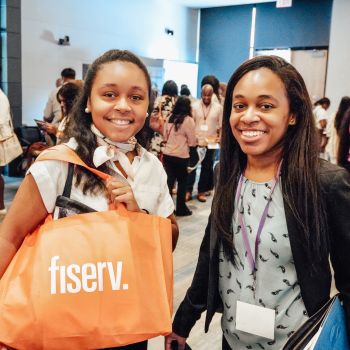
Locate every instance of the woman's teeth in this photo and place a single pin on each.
(252, 133)
(120, 121)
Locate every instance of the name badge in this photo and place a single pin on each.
(256, 320)
(204, 127)
(213, 145)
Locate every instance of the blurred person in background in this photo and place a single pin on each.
(344, 142)
(66, 95)
(163, 106)
(207, 115)
(222, 93)
(333, 128)
(213, 81)
(52, 111)
(321, 117)
(179, 136)
(7, 154)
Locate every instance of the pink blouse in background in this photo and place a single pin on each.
(178, 142)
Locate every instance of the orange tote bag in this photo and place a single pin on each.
(89, 281)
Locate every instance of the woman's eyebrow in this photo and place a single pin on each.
(262, 97)
(109, 85)
(137, 88)
(113, 85)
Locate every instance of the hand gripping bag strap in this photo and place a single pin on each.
(127, 280)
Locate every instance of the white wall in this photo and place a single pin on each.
(182, 73)
(338, 72)
(94, 27)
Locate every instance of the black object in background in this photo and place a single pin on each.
(174, 346)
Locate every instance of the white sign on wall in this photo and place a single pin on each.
(283, 3)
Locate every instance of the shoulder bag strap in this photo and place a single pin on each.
(69, 181)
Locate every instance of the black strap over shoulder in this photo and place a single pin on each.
(68, 185)
(66, 205)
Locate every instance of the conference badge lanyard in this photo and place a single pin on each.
(204, 126)
(252, 318)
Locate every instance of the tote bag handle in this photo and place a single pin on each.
(66, 154)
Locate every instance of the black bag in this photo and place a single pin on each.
(28, 135)
(174, 346)
(67, 206)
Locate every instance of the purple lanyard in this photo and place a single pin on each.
(251, 259)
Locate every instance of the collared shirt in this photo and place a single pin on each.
(149, 186)
(211, 116)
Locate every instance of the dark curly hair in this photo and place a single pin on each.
(80, 124)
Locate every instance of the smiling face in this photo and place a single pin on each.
(119, 100)
(260, 114)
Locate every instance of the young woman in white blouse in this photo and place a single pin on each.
(109, 113)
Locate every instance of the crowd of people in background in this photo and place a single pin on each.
(152, 146)
(184, 132)
(333, 131)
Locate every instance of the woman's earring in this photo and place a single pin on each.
(147, 115)
(87, 110)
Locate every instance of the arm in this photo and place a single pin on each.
(190, 130)
(195, 301)
(339, 222)
(50, 128)
(48, 111)
(26, 213)
(323, 123)
(174, 230)
(192, 141)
